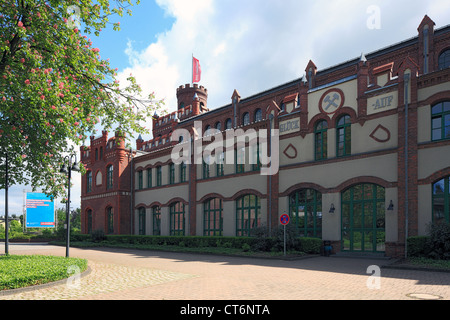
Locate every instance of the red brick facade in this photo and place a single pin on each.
(392, 64)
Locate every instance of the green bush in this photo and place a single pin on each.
(418, 246)
(310, 245)
(439, 241)
(260, 241)
(98, 235)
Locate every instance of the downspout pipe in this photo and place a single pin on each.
(407, 82)
(131, 192)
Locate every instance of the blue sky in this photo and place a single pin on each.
(248, 45)
(148, 20)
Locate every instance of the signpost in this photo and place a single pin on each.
(284, 220)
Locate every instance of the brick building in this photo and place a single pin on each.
(363, 150)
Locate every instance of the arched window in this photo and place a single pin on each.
(149, 178)
(444, 59)
(440, 121)
(183, 172)
(258, 115)
(156, 216)
(247, 214)
(109, 220)
(171, 173)
(177, 219)
(89, 181)
(205, 167)
(343, 136)
(109, 177)
(158, 176)
(212, 217)
(228, 124)
(218, 125)
(441, 201)
(305, 210)
(320, 140)
(141, 220)
(245, 119)
(140, 180)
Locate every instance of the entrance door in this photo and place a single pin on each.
(363, 218)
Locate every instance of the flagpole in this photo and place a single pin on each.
(192, 69)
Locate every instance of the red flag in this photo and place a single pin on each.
(196, 70)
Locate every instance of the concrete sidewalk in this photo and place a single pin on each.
(127, 274)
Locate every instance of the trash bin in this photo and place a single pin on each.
(327, 247)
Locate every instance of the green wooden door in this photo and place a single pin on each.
(363, 218)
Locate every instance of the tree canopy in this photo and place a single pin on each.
(55, 88)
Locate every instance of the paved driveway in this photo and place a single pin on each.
(150, 275)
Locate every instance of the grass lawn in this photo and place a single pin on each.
(17, 271)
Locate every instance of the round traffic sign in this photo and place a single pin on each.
(284, 219)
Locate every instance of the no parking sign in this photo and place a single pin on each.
(284, 219)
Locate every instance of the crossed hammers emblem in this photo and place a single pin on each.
(331, 101)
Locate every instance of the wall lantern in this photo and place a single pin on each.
(332, 209)
(391, 206)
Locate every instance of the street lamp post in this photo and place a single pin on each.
(6, 206)
(68, 170)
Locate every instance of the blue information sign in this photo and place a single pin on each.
(40, 211)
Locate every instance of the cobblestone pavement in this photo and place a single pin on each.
(137, 275)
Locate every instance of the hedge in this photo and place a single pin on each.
(306, 245)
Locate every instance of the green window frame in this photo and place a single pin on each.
(158, 176)
(441, 201)
(177, 219)
(171, 173)
(141, 221)
(109, 177)
(363, 216)
(140, 180)
(110, 220)
(149, 178)
(255, 150)
(205, 169)
(305, 211)
(239, 158)
(212, 217)
(219, 165)
(440, 121)
(343, 136)
(88, 181)
(247, 214)
(156, 216)
(321, 140)
(183, 172)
